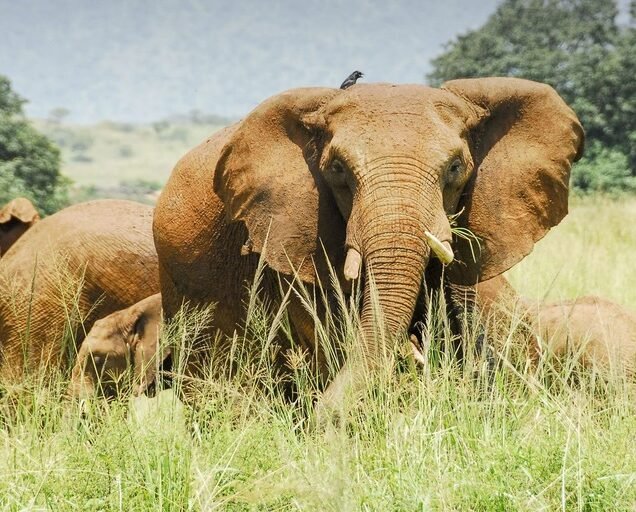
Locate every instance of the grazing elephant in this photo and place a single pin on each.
(78, 265)
(596, 331)
(15, 218)
(124, 339)
(363, 180)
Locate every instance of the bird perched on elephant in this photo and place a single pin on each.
(16, 217)
(351, 79)
(73, 267)
(363, 180)
(125, 339)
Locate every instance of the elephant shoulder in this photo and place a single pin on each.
(198, 163)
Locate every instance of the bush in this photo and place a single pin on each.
(81, 142)
(126, 151)
(140, 190)
(81, 157)
(603, 169)
(29, 161)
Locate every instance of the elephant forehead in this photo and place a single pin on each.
(391, 99)
(110, 327)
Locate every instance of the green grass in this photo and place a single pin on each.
(589, 253)
(444, 439)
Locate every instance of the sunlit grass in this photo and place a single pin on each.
(590, 253)
(449, 437)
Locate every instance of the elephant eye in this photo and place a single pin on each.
(455, 169)
(337, 167)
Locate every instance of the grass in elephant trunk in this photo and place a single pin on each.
(442, 439)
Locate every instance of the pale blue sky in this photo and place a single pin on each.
(145, 59)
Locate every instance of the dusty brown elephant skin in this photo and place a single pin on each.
(125, 339)
(369, 173)
(71, 268)
(16, 217)
(595, 331)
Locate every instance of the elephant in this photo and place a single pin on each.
(363, 181)
(596, 331)
(123, 339)
(16, 217)
(70, 269)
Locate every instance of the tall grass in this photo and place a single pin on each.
(447, 437)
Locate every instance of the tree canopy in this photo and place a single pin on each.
(29, 162)
(578, 47)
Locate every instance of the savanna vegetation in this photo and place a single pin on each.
(447, 437)
(29, 161)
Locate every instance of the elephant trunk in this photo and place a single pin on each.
(399, 222)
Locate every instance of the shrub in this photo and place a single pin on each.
(603, 169)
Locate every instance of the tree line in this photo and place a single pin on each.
(579, 47)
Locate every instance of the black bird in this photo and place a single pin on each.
(351, 79)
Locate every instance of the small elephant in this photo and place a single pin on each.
(596, 331)
(16, 217)
(125, 339)
(73, 267)
(363, 180)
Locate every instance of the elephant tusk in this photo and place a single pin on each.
(417, 352)
(442, 250)
(352, 265)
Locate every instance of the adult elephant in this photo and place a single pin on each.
(370, 174)
(16, 217)
(78, 265)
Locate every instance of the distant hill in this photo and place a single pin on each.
(146, 60)
(128, 160)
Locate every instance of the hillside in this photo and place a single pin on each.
(110, 159)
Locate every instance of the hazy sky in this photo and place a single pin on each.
(142, 60)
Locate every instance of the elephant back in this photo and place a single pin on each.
(70, 269)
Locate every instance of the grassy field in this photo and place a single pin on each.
(442, 439)
(106, 154)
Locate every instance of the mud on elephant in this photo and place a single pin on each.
(70, 269)
(370, 174)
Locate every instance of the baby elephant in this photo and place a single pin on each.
(594, 330)
(128, 338)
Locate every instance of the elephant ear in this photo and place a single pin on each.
(20, 209)
(267, 177)
(523, 139)
(147, 353)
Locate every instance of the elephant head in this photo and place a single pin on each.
(124, 339)
(372, 172)
(15, 218)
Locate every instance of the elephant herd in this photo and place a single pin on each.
(392, 190)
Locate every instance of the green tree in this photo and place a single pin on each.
(29, 162)
(574, 45)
